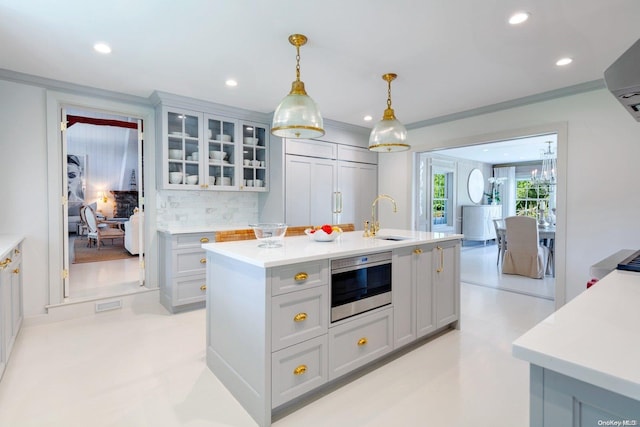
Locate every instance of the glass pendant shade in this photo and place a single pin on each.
(297, 116)
(388, 135)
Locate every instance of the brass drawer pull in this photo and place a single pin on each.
(16, 271)
(204, 240)
(300, 277)
(203, 287)
(362, 341)
(17, 251)
(3, 264)
(417, 251)
(440, 269)
(300, 370)
(300, 317)
(203, 260)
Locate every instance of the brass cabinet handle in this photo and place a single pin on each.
(16, 271)
(299, 370)
(16, 251)
(203, 287)
(300, 277)
(203, 260)
(440, 269)
(417, 251)
(204, 240)
(362, 341)
(300, 317)
(3, 264)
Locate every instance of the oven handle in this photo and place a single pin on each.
(359, 267)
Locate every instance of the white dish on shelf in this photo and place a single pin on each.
(219, 162)
(218, 155)
(175, 177)
(192, 179)
(175, 154)
(250, 140)
(223, 138)
(223, 180)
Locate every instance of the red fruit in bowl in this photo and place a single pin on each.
(312, 231)
(327, 229)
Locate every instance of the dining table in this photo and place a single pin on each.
(547, 235)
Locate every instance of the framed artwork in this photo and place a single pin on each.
(76, 182)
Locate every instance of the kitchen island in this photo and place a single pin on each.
(270, 338)
(585, 358)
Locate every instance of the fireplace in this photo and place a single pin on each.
(125, 203)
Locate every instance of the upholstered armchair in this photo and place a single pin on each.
(132, 233)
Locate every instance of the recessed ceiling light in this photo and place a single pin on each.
(231, 83)
(102, 48)
(367, 118)
(518, 18)
(563, 61)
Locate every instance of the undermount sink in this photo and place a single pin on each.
(394, 238)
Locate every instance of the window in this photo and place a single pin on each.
(441, 198)
(531, 197)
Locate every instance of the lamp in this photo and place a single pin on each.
(548, 173)
(102, 195)
(388, 134)
(297, 116)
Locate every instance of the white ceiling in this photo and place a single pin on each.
(451, 56)
(506, 152)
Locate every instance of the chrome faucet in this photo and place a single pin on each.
(370, 230)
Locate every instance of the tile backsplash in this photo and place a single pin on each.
(177, 208)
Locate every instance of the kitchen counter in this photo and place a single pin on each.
(594, 339)
(8, 242)
(302, 248)
(271, 338)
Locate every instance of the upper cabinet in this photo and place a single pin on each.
(203, 151)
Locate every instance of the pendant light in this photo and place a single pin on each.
(388, 134)
(297, 116)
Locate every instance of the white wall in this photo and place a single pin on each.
(23, 173)
(603, 150)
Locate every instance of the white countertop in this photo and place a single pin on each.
(594, 338)
(8, 242)
(302, 248)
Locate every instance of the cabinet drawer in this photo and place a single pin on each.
(299, 316)
(295, 277)
(194, 240)
(359, 342)
(298, 369)
(189, 261)
(190, 289)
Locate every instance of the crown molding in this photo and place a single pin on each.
(532, 99)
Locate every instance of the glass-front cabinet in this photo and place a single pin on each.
(207, 152)
(254, 156)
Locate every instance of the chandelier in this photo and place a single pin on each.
(547, 175)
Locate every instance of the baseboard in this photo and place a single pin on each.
(146, 300)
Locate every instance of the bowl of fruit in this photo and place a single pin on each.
(324, 233)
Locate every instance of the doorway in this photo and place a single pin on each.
(522, 155)
(104, 215)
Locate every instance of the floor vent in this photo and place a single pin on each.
(111, 305)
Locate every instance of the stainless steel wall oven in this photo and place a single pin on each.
(360, 284)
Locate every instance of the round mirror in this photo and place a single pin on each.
(475, 186)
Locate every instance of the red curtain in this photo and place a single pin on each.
(72, 120)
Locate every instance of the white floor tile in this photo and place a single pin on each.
(148, 369)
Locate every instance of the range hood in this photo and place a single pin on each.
(623, 80)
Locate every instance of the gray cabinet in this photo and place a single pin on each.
(477, 221)
(201, 149)
(426, 285)
(11, 313)
(327, 183)
(558, 400)
(182, 277)
(359, 341)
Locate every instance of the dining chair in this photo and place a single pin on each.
(98, 232)
(524, 255)
(499, 226)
